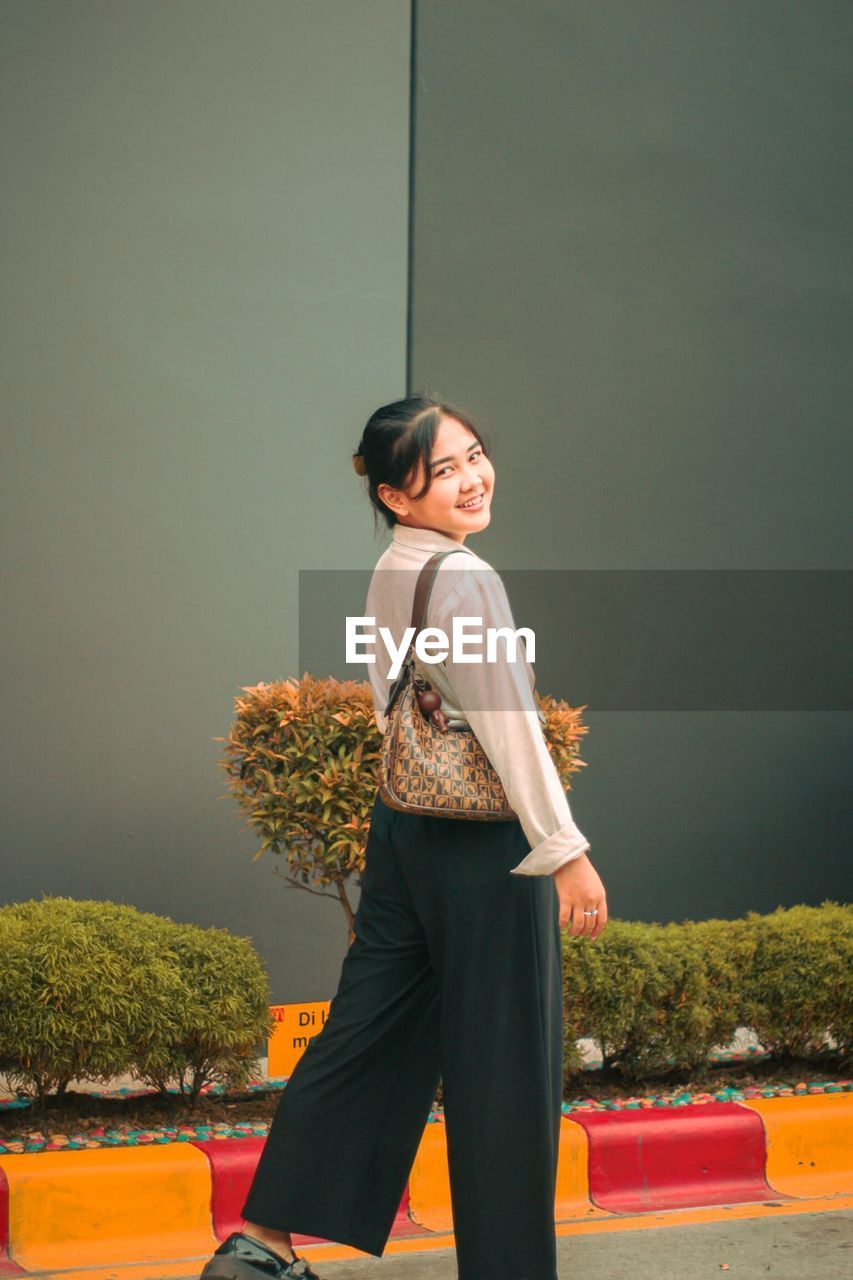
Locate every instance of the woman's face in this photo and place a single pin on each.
(460, 472)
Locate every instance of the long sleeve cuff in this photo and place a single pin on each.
(550, 854)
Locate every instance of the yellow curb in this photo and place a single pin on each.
(188, 1268)
(601, 1221)
(712, 1213)
(809, 1142)
(145, 1213)
(572, 1199)
(185, 1269)
(108, 1206)
(429, 1180)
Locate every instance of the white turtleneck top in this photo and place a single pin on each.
(495, 698)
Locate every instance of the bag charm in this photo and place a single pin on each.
(429, 700)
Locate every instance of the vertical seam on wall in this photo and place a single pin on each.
(410, 251)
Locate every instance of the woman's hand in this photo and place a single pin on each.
(579, 889)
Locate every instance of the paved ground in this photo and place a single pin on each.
(796, 1246)
(803, 1246)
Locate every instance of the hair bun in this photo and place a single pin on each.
(359, 463)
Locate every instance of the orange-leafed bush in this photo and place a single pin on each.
(302, 760)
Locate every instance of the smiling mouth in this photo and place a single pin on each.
(473, 503)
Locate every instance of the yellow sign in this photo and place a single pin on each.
(295, 1026)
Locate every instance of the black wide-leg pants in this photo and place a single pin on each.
(454, 975)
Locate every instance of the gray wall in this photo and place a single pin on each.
(204, 296)
(628, 257)
(632, 256)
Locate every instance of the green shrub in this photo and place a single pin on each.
(96, 989)
(728, 947)
(226, 1013)
(658, 998)
(88, 983)
(91, 990)
(799, 988)
(640, 992)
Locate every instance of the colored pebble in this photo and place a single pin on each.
(129, 1137)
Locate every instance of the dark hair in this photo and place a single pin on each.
(395, 437)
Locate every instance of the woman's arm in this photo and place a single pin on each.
(498, 703)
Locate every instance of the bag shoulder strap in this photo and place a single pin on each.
(423, 591)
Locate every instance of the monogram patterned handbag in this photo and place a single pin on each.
(424, 767)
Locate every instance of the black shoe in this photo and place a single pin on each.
(242, 1257)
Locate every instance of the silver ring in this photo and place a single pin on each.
(594, 912)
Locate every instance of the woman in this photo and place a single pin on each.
(454, 974)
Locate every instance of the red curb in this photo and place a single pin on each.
(403, 1224)
(232, 1167)
(646, 1160)
(628, 1163)
(7, 1266)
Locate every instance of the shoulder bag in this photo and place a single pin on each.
(425, 766)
